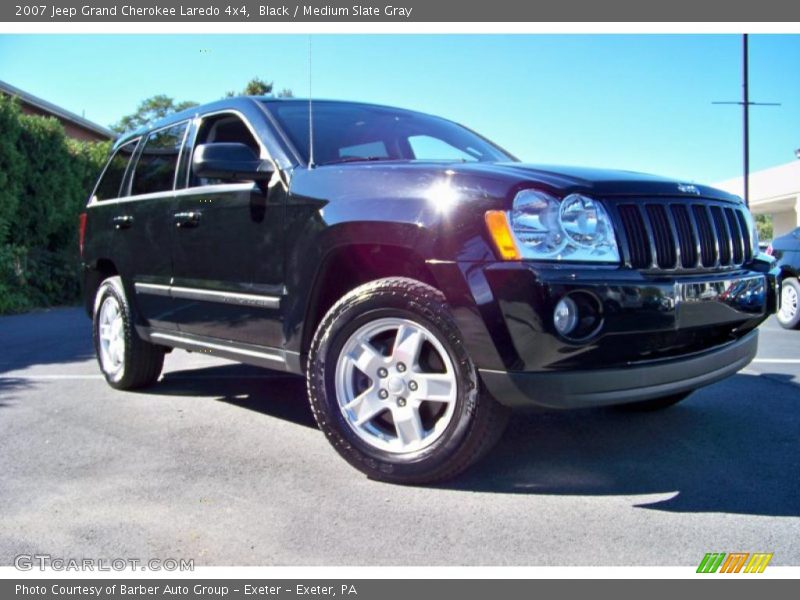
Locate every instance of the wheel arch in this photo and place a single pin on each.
(789, 271)
(94, 274)
(345, 267)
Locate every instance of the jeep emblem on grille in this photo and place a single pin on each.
(688, 188)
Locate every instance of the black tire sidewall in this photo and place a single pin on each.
(113, 287)
(433, 315)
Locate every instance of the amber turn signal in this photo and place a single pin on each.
(500, 231)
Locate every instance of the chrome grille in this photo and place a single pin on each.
(674, 235)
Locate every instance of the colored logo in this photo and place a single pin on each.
(734, 562)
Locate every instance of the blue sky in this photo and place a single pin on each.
(640, 102)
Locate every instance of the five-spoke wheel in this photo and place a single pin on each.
(112, 336)
(127, 361)
(396, 385)
(393, 387)
(788, 315)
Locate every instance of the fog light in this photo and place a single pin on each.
(565, 316)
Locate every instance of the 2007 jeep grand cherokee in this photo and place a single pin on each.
(421, 278)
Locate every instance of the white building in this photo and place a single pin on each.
(774, 191)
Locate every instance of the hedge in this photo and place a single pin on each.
(45, 180)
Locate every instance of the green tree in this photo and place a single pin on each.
(764, 226)
(149, 110)
(255, 87)
(260, 87)
(39, 207)
(11, 164)
(161, 105)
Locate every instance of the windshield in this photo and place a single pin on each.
(357, 132)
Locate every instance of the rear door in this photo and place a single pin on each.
(228, 246)
(104, 205)
(144, 225)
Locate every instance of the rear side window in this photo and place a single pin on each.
(155, 169)
(111, 179)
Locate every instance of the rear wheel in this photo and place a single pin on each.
(789, 315)
(393, 389)
(127, 361)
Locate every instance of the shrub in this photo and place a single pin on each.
(45, 179)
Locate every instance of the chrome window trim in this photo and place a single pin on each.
(180, 154)
(146, 138)
(209, 189)
(137, 153)
(93, 196)
(196, 120)
(263, 150)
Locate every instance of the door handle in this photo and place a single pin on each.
(122, 221)
(189, 218)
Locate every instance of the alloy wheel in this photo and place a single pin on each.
(788, 303)
(396, 385)
(112, 336)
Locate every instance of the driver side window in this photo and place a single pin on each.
(225, 128)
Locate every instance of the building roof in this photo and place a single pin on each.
(56, 111)
(773, 188)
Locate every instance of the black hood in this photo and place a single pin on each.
(510, 176)
(564, 180)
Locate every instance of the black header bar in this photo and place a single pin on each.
(401, 11)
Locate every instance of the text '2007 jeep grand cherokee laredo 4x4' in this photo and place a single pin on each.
(421, 277)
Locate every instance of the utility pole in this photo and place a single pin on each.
(746, 104)
(746, 111)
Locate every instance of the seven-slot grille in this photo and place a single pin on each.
(683, 234)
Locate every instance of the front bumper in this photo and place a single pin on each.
(660, 334)
(600, 387)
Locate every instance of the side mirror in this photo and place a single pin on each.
(230, 161)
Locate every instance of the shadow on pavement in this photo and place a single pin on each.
(7, 387)
(733, 447)
(271, 393)
(47, 337)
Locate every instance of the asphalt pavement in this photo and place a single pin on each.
(223, 464)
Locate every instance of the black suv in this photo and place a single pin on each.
(786, 250)
(421, 278)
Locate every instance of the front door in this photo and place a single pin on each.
(228, 248)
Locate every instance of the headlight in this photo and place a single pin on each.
(534, 222)
(576, 229)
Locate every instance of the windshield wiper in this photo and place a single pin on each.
(347, 159)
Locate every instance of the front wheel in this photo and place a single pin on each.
(126, 360)
(789, 316)
(393, 388)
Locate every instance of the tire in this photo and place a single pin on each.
(655, 403)
(789, 314)
(381, 419)
(127, 361)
